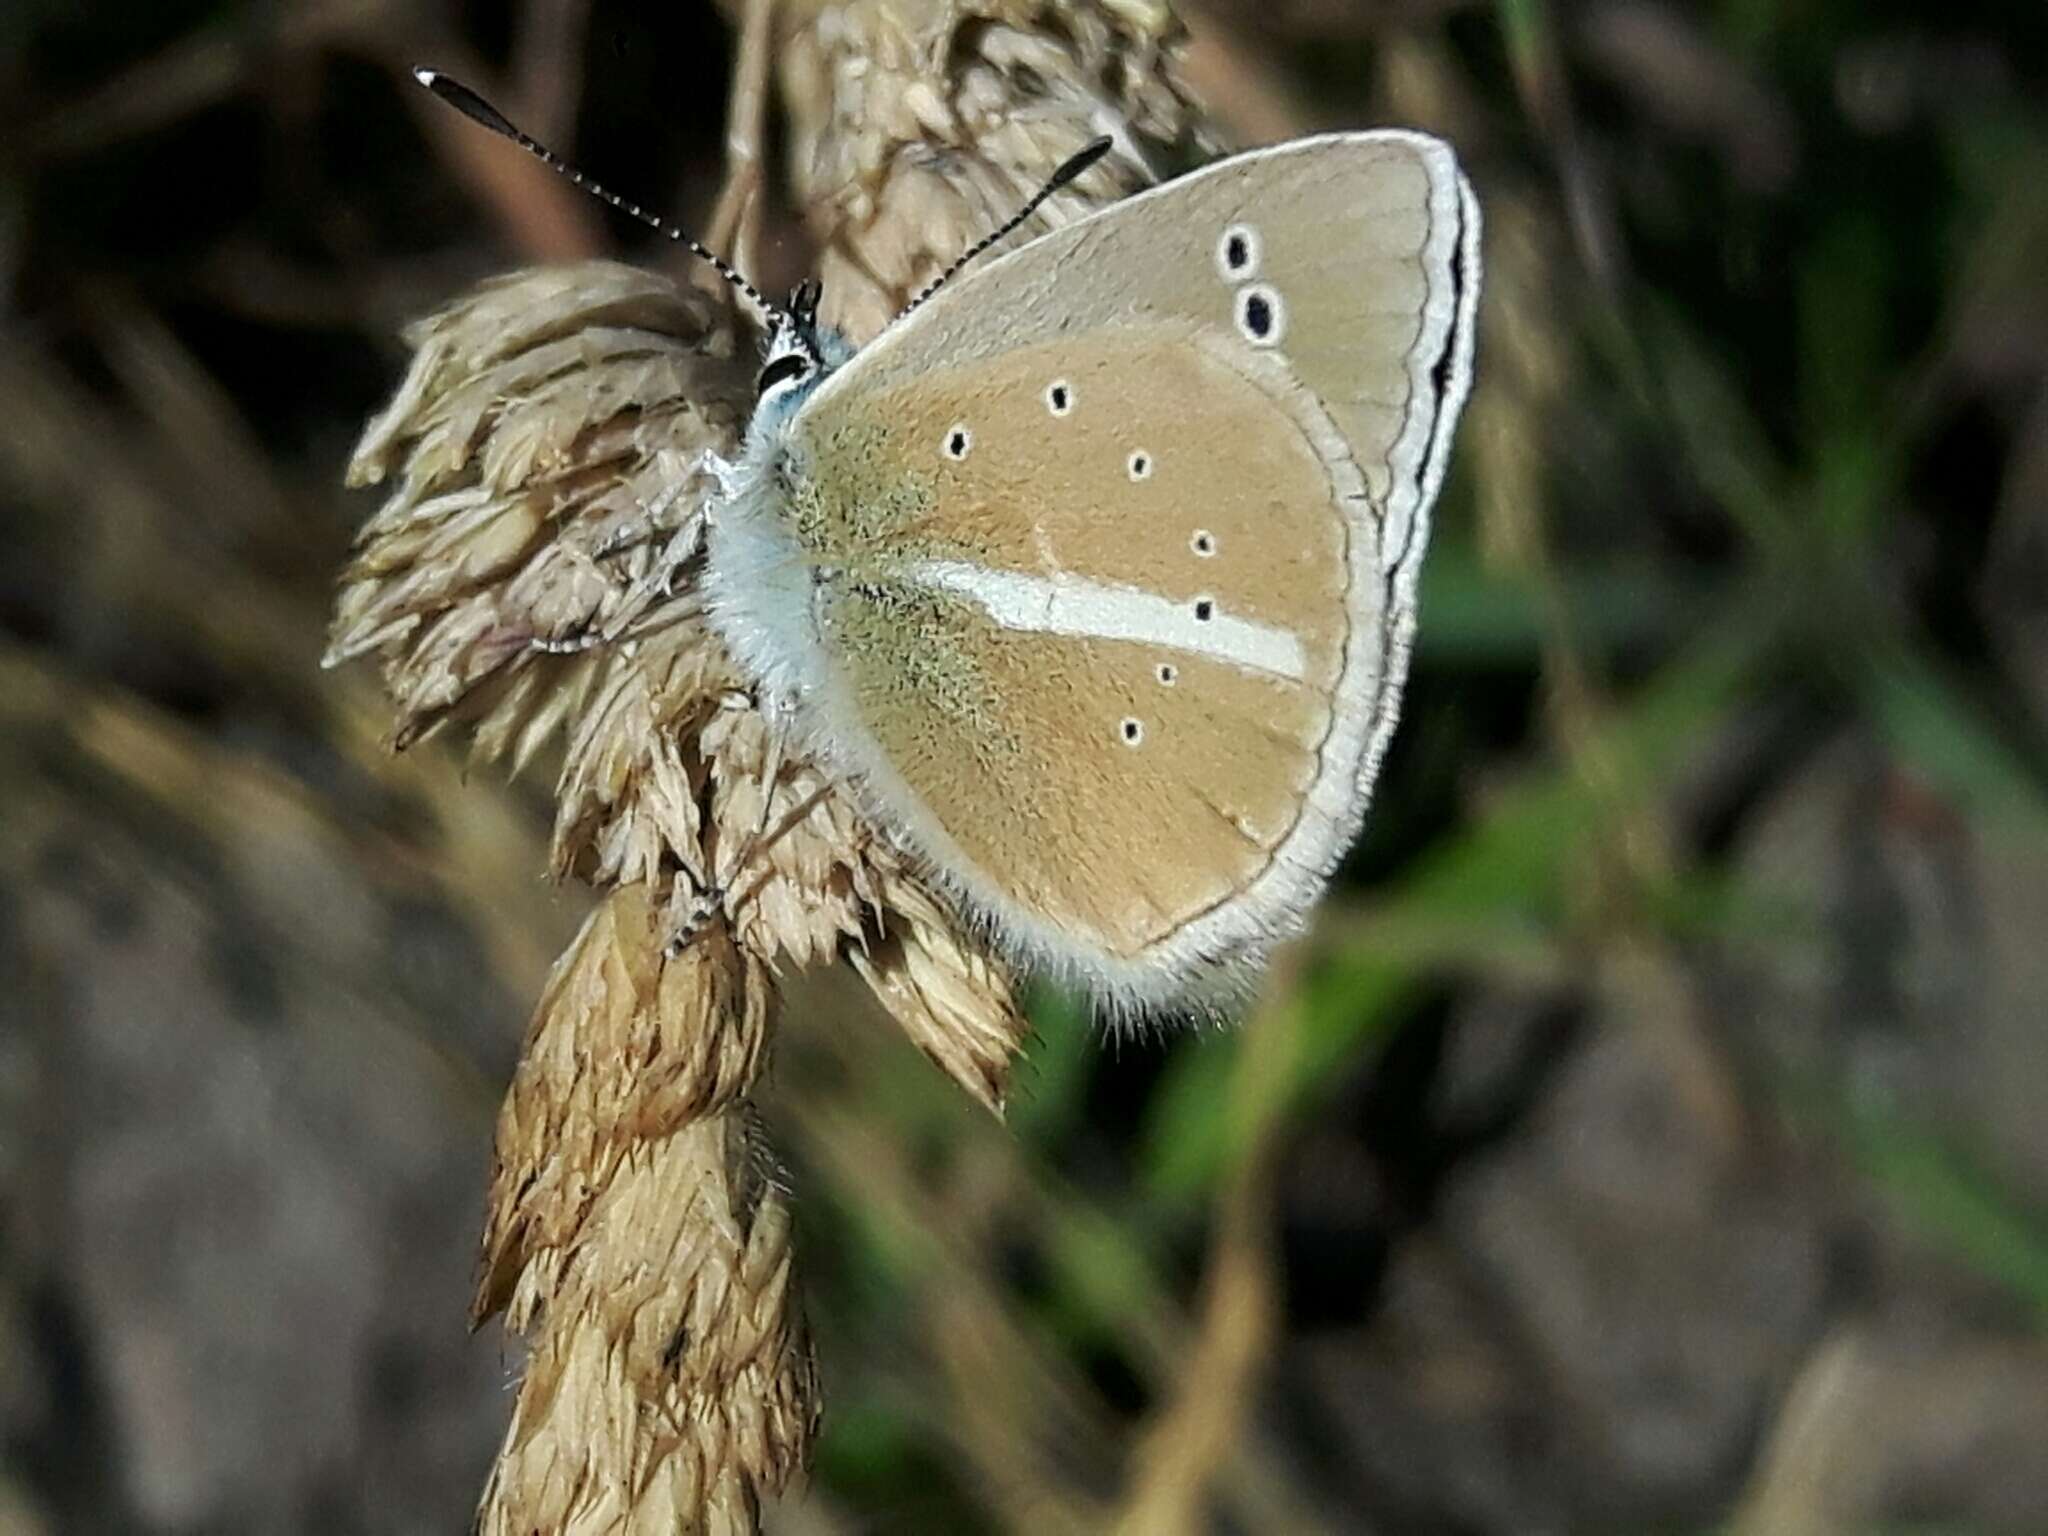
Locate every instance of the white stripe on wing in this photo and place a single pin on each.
(1073, 605)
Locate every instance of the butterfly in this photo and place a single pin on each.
(1093, 577)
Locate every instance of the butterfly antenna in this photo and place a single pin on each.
(477, 110)
(1071, 167)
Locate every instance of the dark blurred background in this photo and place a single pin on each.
(1655, 1141)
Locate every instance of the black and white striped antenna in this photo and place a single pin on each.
(1069, 168)
(477, 110)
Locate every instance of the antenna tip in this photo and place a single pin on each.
(465, 101)
(1079, 161)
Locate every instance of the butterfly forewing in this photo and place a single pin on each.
(1114, 544)
(1367, 241)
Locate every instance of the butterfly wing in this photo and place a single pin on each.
(1114, 546)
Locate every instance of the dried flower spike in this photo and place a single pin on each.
(532, 573)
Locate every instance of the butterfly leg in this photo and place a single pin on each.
(635, 531)
(711, 895)
(658, 580)
(573, 644)
(748, 873)
(708, 903)
(653, 518)
(720, 469)
(752, 845)
(689, 538)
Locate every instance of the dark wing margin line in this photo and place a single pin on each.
(1457, 339)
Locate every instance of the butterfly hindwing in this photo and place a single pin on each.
(1099, 672)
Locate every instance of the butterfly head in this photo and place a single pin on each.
(799, 356)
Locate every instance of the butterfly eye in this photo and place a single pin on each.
(791, 365)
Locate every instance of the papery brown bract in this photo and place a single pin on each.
(544, 455)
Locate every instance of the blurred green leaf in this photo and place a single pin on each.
(1711, 419)
(1935, 727)
(1045, 1101)
(1473, 616)
(1950, 1198)
(1843, 277)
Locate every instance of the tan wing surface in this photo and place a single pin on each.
(1119, 589)
(1119, 772)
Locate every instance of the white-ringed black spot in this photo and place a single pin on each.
(1059, 397)
(1140, 465)
(1169, 674)
(1134, 731)
(958, 441)
(1238, 250)
(1261, 315)
(1205, 609)
(1203, 543)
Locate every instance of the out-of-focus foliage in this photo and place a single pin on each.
(1649, 1138)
